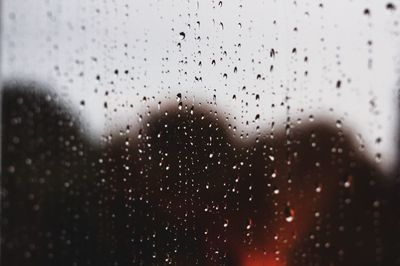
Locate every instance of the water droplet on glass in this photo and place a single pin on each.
(289, 214)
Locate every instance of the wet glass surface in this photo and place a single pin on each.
(191, 133)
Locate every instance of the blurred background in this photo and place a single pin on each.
(113, 61)
(200, 132)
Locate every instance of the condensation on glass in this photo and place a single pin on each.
(200, 133)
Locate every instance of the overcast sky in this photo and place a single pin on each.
(156, 49)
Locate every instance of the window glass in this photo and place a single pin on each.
(199, 133)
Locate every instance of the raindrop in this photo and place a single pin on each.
(249, 224)
(178, 97)
(226, 223)
(289, 214)
(318, 188)
(272, 53)
(348, 181)
(390, 6)
(378, 157)
(338, 84)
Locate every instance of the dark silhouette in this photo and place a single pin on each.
(47, 181)
(182, 190)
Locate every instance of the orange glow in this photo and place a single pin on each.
(260, 259)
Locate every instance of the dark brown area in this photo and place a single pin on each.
(181, 190)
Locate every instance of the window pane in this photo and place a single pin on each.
(199, 133)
